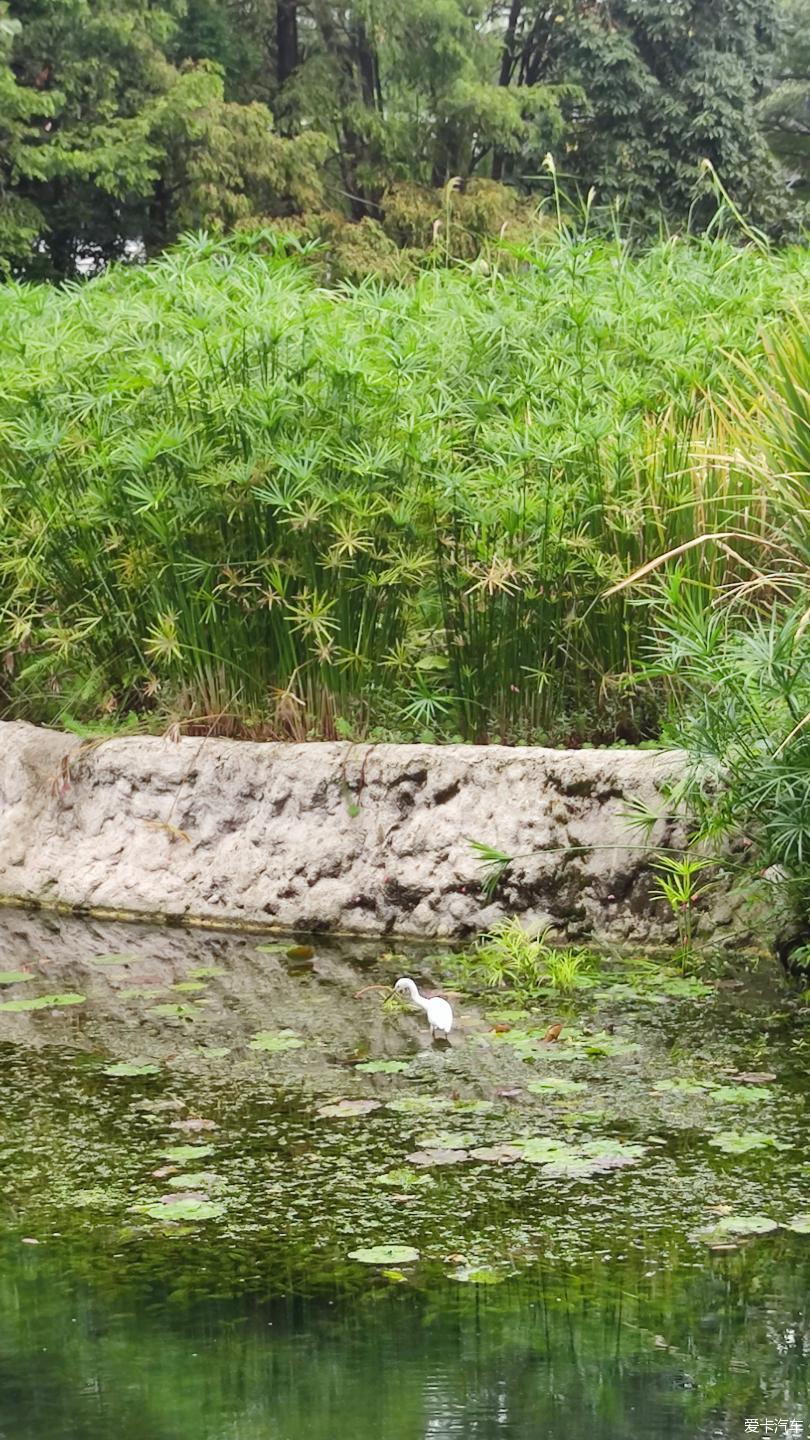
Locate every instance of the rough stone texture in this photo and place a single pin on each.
(354, 838)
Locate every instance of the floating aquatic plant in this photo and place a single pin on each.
(385, 1255)
(347, 1109)
(739, 1142)
(477, 1275)
(43, 1002)
(740, 1227)
(275, 1042)
(183, 1153)
(182, 1207)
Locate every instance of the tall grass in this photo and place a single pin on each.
(231, 494)
(740, 656)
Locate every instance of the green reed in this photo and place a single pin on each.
(231, 495)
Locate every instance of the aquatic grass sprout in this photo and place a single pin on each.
(235, 499)
(511, 956)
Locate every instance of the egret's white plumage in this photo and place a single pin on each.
(439, 1012)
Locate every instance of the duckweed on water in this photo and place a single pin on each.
(517, 1156)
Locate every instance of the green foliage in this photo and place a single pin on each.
(234, 497)
(784, 112)
(676, 882)
(125, 122)
(510, 956)
(667, 85)
(739, 664)
(108, 148)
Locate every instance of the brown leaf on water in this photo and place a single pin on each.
(553, 1033)
(437, 1157)
(502, 1154)
(165, 1170)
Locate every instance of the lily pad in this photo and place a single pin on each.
(14, 977)
(206, 972)
(114, 959)
(742, 1225)
(681, 1087)
(340, 1109)
(273, 1042)
(740, 1094)
(800, 1224)
(477, 1275)
(184, 1153)
(385, 1255)
(502, 1154)
(43, 1002)
(383, 1067)
(132, 1067)
(447, 1140)
(194, 1180)
(574, 1161)
(541, 1151)
(188, 987)
(182, 1207)
(555, 1083)
(404, 1178)
(607, 1044)
(739, 1142)
(213, 1052)
(684, 987)
(419, 1104)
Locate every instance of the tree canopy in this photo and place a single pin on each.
(125, 122)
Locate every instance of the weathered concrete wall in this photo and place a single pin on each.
(354, 838)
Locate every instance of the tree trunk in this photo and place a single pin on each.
(505, 76)
(287, 56)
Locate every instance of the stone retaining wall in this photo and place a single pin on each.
(370, 839)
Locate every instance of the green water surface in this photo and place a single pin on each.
(570, 1299)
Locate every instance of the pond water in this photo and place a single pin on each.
(197, 1174)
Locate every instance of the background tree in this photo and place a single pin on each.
(785, 111)
(21, 162)
(122, 121)
(666, 83)
(135, 147)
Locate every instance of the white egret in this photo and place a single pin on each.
(439, 1012)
